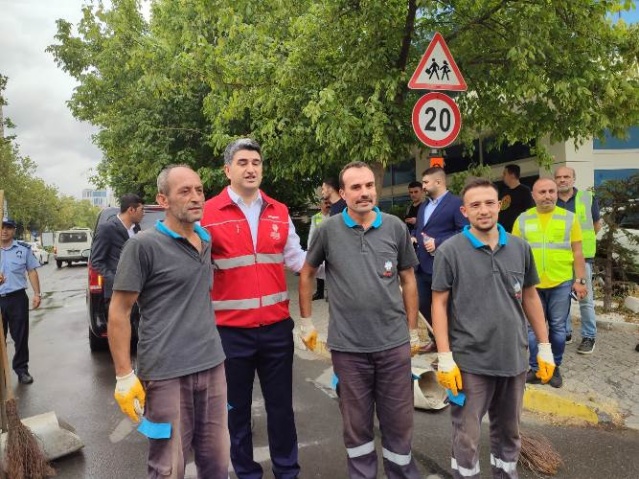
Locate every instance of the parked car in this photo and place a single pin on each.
(69, 244)
(40, 253)
(96, 310)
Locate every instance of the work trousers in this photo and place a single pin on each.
(502, 398)
(556, 304)
(586, 310)
(383, 381)
(195, 406)
(425, 295)
(267, 350)
(15, 316)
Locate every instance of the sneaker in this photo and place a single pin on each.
(569, 339)
(531, 377)
(555, 380)
(25, 378)
(587, 346)
(637, 347)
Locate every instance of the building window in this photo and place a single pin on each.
(400, 173)
(609, 142)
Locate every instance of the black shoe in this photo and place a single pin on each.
(555, 380)
(637, 347)
(531, 377)
(25, 378)
(317, 296)
(587, 346)
(569, 339)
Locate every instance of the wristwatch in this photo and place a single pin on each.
(580, 281)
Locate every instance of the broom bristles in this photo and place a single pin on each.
(24, 458)
(539, 455)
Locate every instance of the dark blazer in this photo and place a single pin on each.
(446, 221)
(106, 248)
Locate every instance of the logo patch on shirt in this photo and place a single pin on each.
(388, 269)
(275, 234)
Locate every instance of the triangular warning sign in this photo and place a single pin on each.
(437, 69)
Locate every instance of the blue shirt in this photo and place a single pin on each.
(16, 260)
(430, 207)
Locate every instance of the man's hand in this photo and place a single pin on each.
(130, 395)
(414, 342)
(37, 300)
(546, 362)
(448, 373)
(308, 333)
(580, 289)
(410, 221)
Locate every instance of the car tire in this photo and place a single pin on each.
(58, 263)
(96, 343)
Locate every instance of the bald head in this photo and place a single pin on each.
(544, 193)
(565, 178)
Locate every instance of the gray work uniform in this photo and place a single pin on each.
(368, 338)
(488, 338)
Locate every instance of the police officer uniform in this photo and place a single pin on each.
(17, 259)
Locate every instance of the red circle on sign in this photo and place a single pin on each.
(436, 120)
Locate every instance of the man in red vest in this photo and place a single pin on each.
(252, 239)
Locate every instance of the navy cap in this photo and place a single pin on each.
(9, 222)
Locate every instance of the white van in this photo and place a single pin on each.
(69, 244)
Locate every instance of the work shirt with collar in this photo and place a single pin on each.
(486, 323)
(431, 206)
(362, 273)
(294, 255)
(16, 260)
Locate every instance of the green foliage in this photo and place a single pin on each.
(457, 181)
(619, 199)
(321, 83)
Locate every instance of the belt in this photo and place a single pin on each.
(12, 293)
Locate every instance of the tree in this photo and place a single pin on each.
(321, 83)
(619, 200)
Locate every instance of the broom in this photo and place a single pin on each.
(537, 453)
(23, 457)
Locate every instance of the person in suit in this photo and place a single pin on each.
(110, 238)
(438, 219)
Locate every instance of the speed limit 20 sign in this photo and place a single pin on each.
(436, 120)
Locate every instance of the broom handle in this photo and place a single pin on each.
(3, 343)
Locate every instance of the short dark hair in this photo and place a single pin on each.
(514, 170)
(352, 164)
(238, 145)
(332, 182)
(129, 200)
(475, 182)
(434, 170)
(414, 184)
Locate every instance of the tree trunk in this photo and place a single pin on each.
(378, 171)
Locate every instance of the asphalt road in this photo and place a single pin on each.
(78, 386)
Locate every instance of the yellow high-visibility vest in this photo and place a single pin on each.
(583, 210)
(551, 247)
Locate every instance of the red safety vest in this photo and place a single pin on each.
(249, 286)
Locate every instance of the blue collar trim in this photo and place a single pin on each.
(351, 224)
(503, 237)
(201, 232)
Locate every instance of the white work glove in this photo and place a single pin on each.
(130, 395)
(448, 373)
(414, 342)
(546, 362)
(308, 333)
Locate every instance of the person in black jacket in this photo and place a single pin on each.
(110, 238)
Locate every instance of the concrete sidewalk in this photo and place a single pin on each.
(600, 388)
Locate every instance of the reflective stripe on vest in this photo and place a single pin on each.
(464, 471)
(248, 260)
(399, 459)
(360, 451)
(505, 466)
(551, 248)
(251, 303)
(583, 210)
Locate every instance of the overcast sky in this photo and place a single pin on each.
(37, 91)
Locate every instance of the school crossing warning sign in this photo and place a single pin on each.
(437, 69)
